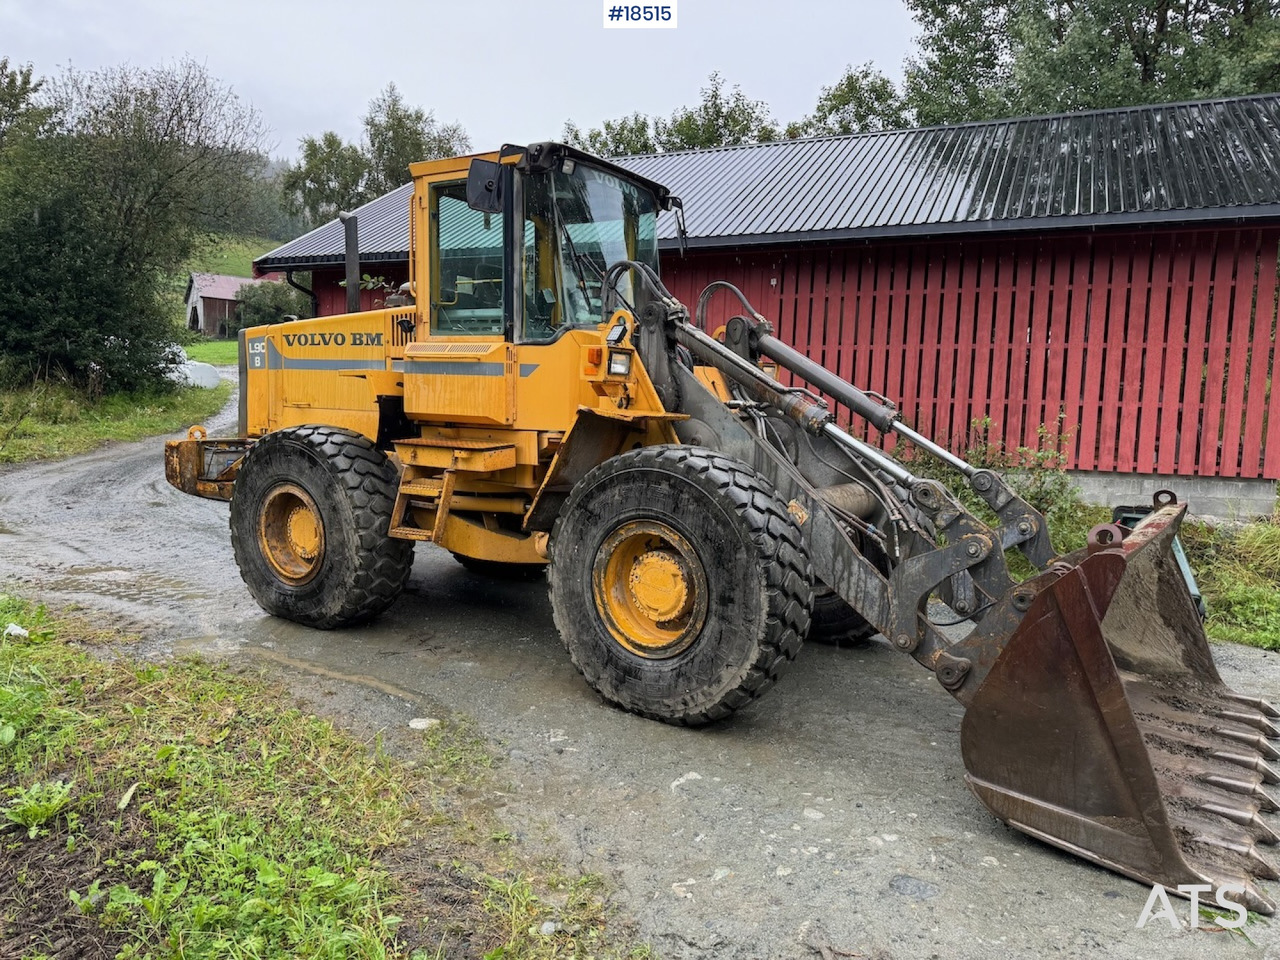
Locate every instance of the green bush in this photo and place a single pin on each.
(1036, 474)
(268, 302)
(106, 180)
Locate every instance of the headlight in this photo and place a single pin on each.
(619, 363)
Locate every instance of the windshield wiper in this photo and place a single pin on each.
(576, 257)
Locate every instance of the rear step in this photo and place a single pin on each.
(431, 468)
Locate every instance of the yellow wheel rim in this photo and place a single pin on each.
(650, 589)
(291, 533)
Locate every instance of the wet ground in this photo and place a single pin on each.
(829, 820)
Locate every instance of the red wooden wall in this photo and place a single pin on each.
(331, 298)
(1153, 352)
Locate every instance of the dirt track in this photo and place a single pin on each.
(829, 820)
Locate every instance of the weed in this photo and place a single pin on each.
(456, 752)
(514, 901)
(35, 805)
(1257, 548)
(1036, 474)
(1238, 569)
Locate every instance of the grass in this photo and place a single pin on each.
(1238, 569)
(232, 256)
(176, 810)
(50, 421)
(221, 353)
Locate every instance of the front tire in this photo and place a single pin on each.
(679, 583)
(310, 512)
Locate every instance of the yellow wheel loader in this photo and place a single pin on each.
(544, 401)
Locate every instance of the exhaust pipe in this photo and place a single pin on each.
(352, 247)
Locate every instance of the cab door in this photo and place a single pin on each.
(464, 370)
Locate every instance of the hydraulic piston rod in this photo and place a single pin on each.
(876, 458)
(884, 418)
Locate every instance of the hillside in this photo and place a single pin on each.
(228, 255)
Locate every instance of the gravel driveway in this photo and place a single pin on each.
(829, 820)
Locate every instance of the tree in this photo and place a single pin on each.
(396, 135)
(861, 101)
(1113, 53)
(625, 136)
(981, 59)
(175, 148)
(18, 98)
(720, 119)
(104, 200)
(268, 302)
(268, 212)
(963, 67)
(331, 176)
(334, 175)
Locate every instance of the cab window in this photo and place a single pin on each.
(579, 221)
(467, 266)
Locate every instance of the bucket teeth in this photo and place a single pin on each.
(1255, 740)
(1251, 718)
(1247, 788)
(1252, 899)
(1269, 773)
(1256, 702)
(1257, 865)
(1246, 818)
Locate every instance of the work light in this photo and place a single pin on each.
(619, 363)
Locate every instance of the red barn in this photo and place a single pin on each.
(1109, 277)
(212, 298)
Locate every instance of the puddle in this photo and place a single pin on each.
(133, 586)
(209, 645)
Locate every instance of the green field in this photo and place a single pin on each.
(221, 353)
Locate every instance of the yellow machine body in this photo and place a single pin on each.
(481, 419)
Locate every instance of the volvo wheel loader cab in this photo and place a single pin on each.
(546, 402)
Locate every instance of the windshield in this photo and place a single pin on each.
(577, 225)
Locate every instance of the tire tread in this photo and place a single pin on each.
(781, 550)
(370, 482)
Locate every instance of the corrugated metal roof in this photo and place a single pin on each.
(1204, 161)
(217, 286)
(383, 231)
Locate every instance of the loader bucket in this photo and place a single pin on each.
(1103, 727)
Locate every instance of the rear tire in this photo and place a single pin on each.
(679, 583)
(310, 512)
(834, 623)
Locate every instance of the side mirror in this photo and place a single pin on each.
(484, 186)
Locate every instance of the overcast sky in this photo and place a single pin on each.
(508, 70)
